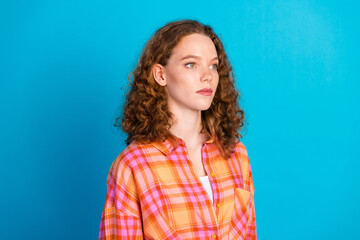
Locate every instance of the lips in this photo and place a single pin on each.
(205, 91)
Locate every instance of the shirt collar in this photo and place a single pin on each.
(170, 144)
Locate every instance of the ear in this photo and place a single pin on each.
(159, 75)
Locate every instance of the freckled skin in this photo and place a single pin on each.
(184, 77)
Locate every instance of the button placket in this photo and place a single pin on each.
(207, 166)
(206, 163)
(212, 210)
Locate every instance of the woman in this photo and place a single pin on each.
(184, 173)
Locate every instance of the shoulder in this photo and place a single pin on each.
(240, 148)
(240, 159)
(132, 156)
(240, 153)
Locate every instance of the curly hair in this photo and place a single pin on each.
(146, 117)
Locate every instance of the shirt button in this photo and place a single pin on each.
(212, 174)
(218, 205)
(213, 236)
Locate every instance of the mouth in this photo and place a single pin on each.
(205, 91)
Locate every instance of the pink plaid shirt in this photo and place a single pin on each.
(154, 193)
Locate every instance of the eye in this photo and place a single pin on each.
(214, 66)
(190, 65)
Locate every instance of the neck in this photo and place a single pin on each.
(187, 126)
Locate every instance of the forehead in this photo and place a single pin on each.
(195, 44)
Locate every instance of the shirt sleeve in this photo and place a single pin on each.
(251, 233)
(248, 185)
(121, 216)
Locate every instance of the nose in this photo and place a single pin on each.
(206, 75)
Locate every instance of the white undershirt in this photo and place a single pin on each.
(206, 182)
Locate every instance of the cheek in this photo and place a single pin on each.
(174, 85)
(180, 79)
(216, 80)
(172, 77)
(173, 82)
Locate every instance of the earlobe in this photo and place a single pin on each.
(158, 74)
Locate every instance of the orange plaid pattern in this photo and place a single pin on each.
(154, 193)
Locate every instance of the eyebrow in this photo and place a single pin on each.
(194, 56)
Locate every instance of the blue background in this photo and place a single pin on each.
(63, 70)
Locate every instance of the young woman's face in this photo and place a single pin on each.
(191, 74)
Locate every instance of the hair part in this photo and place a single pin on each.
(146, 117)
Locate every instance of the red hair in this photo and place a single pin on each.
(146, 117)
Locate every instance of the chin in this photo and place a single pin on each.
(204, 108)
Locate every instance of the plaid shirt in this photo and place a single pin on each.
(154, 193)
